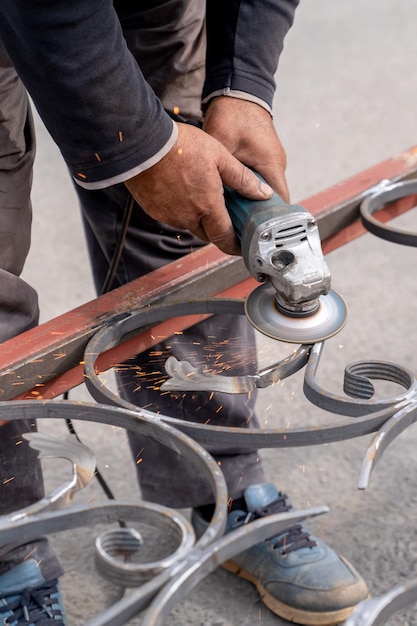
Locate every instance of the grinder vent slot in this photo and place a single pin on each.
(297, 231)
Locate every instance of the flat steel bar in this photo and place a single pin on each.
(53, 351)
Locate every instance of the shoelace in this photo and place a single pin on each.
(293, 538)
(34, 606)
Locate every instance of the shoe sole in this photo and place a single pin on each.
(289, 613)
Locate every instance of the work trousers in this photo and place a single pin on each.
(21, 481)
(224, 342)
(163, 475)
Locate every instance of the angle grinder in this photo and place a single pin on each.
(281, 248)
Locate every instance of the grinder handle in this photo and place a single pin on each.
(242, 210)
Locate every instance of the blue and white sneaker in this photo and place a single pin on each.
(27, 599)
(298, 577)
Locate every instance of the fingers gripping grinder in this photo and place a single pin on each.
(281, 248)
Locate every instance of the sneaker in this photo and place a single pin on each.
(26, 598)
(297, 576)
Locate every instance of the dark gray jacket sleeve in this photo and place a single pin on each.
(88, 89)
(244, 41)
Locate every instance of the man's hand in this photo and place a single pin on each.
(247, 131)
(185, 188)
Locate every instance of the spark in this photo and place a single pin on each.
(81, 175)
(176, 110)
(301, 467)
(8, 480)
(96, 154)
(120, 136)
(179, 150)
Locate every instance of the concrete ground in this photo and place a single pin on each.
(346, 100)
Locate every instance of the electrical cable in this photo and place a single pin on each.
(107, 286)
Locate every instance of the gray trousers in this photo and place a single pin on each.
(162, 475)
(21, 481)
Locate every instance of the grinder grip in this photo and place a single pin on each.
(242, 210)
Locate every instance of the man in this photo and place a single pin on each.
(114, 84)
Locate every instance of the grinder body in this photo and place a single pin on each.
(281, 248)
(280, 243)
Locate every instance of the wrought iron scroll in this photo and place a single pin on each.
(161, 584)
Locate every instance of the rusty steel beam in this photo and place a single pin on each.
(45, 361)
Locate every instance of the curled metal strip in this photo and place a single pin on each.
(357, 383)
(376, 611)
(113, 545)
(83, 466)
(184, 376)
(376, 200)
(358, 406)
(111, 511)
(399, 410)
(222, 437)
(149, 425)
(29, 527)
(405, 417)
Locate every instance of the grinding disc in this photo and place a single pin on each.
(262, 313)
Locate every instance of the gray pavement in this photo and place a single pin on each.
(346, 100)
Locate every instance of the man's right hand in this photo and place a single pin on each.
(185, 188)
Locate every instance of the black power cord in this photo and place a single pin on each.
(107, 286)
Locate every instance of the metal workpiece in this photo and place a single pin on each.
(376, 611)
(174, 575)
(392, 414)
(376, 200)
(70, 449)
(184, 376)
(205, 284)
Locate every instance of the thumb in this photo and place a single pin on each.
(243, 180)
